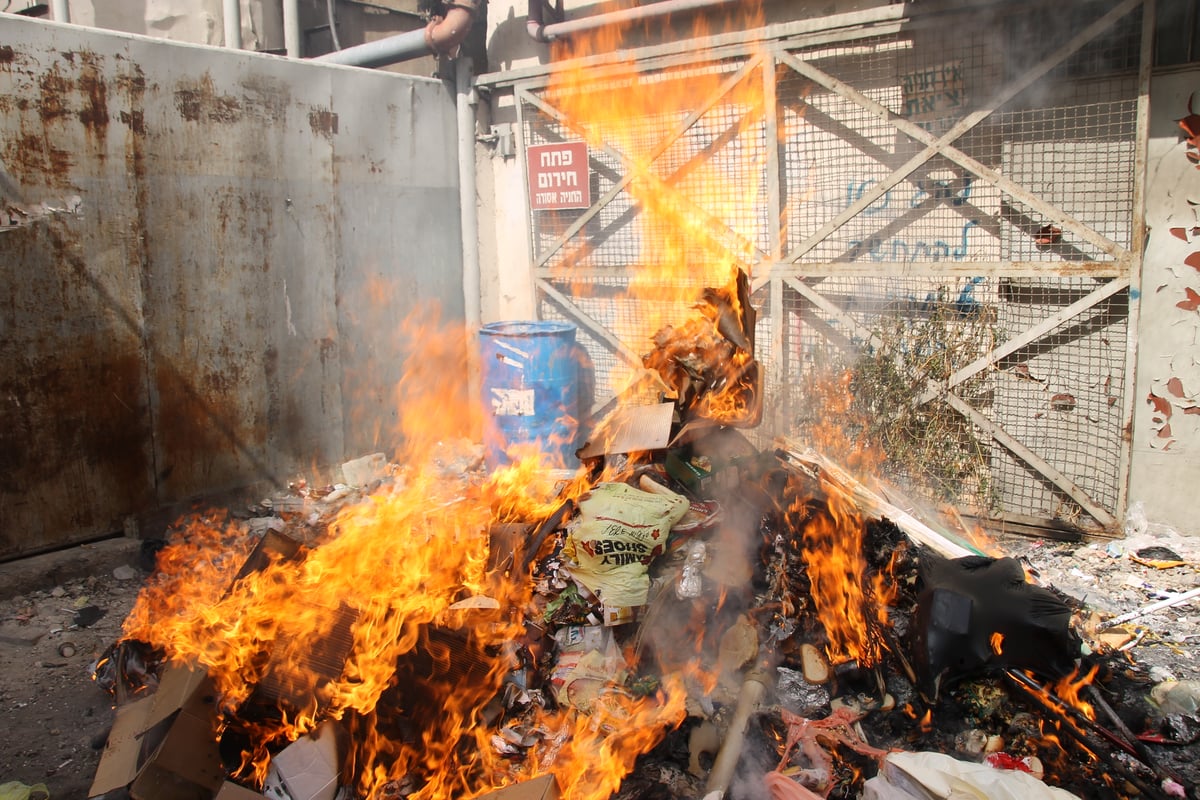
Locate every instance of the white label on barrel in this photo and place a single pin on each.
(516, 351)
(512, 402)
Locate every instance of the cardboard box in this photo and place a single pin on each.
(163, 747)
(542, 787)
(307, 769)
(232, 791)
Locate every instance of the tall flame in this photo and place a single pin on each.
(327, 634)
(692, 222)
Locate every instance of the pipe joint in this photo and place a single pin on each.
(444, 35)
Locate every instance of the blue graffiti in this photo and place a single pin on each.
(919, 251)
(955, 192)
(966, 303)
(854, 194)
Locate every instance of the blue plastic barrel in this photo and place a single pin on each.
(530, 384)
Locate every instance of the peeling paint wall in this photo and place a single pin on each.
(1165, 468)
(223, 307)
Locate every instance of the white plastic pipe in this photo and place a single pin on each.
(60, 10)
(291, 28)
(381, 52)
(231, 12)
(721, 774)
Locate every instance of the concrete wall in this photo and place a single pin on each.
(1165, 469)
(224, 306)
(202, 22)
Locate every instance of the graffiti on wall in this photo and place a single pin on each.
(933, 92)
(952, 243)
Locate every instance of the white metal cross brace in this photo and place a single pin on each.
(995, 431)
(634, 171)
(941, 145)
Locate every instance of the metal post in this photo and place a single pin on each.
(60, 11)
(469, 216)
(291, 28)
(231, 12)
(626, 16)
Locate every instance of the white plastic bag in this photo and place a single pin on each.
(936, 776)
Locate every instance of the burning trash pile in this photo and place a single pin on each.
(701, 618)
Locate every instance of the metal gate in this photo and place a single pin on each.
(944, 213)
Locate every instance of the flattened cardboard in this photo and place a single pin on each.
(119, 762)
(163, 747)
(232, 791)
(631, 429)
(542, 787)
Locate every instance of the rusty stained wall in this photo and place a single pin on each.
(1165, 468)
(223, 309)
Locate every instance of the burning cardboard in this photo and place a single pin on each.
(466, 631)
(708, 361)
(162, 746)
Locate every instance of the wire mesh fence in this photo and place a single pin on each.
(937, 285)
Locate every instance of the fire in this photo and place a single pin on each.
(1068, 691)
(997, 643)
(361, 625)
(645, 121)
(832, 393)
(833, 554)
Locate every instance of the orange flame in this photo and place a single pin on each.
(1068, 690)
(675, 166)
(836, 567)
(997, 642)
(326, 630)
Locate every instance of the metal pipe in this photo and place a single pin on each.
(331, 13)
(535, 24)
(380, 53)
(291, 28)
(231, 13)
(60, 10)
(468, 215)
(442, 36)
(548, 33)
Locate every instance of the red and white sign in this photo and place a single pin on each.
(558, 176)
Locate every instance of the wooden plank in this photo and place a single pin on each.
(916, 132)
(1142, 128)
(1043, 467)
(779, 362)
(764, 271)
(602, 334)
(870, 22)
(829, 307)
(774, 175)
(1024, 525)
(1028, 336)
(634, 171)
(873, 504)
(1009, 91)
